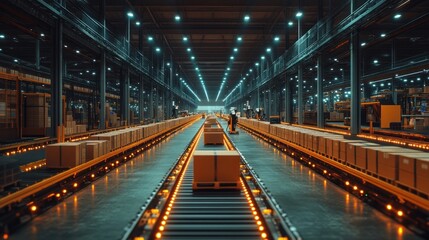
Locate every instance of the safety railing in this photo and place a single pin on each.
(80, 19)
(340, 23)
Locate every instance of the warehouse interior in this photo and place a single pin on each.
(90, 87)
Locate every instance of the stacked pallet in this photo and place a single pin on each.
(401, 166)
(36, 120)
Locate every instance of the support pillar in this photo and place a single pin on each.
(37, 54)
(392, 62)
(125, 95)
(102, 90)
(300, 96)
(102, 69)
(151, 115)
(320, 112)
(57, 81)
(355, 84)
(288, 101)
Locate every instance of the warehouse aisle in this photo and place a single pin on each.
(107, 206)
(318, 208)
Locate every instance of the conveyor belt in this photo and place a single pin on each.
(103, 209)
(209, 214)
(177, 211)
(318, 207)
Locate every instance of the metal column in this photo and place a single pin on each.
(57, 80)
(355, 83)
(300, 96)
(392, 62)
(300, 80)
(151, 114)
(37, 54)
(102, 86)
(288, 101)
(320, 112)
(102, 124)
(125, 93)
(141, 79)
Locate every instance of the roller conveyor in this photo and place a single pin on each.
(177, 211)
(209, 214)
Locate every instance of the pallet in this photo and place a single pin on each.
(215, 185)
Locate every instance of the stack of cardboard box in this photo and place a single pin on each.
(65, 155)
(216, 169)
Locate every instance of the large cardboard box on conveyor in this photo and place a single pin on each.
(92, 150)
(213, 138)
(407, 167)
(422, 175)
(103, 146)
(110, 138)
(216, 169)
(213, 129)
(387, 161)
(65, 155)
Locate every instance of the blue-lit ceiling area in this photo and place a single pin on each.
(223, 52)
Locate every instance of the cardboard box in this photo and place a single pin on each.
(387, 161)
(330, 141)
(65, 155)
(213, 129)
(422, 175)
(53, 155)
(213, 138)
(343, 148)
(361, 159)
(204, 165)
(407, 168)
(227, 166)
(111, 139)
(103, 146)
(92, 150)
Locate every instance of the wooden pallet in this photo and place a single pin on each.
(215, 185)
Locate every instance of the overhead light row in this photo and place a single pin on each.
(268, 50)
(189, 88)
(228, 68)
(197, 69)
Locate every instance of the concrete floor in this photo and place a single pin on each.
(318, 208)
(106, 207)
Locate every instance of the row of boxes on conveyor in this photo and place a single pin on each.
(215, 169)
(213, 133)
(407, 167)
(71, 154)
